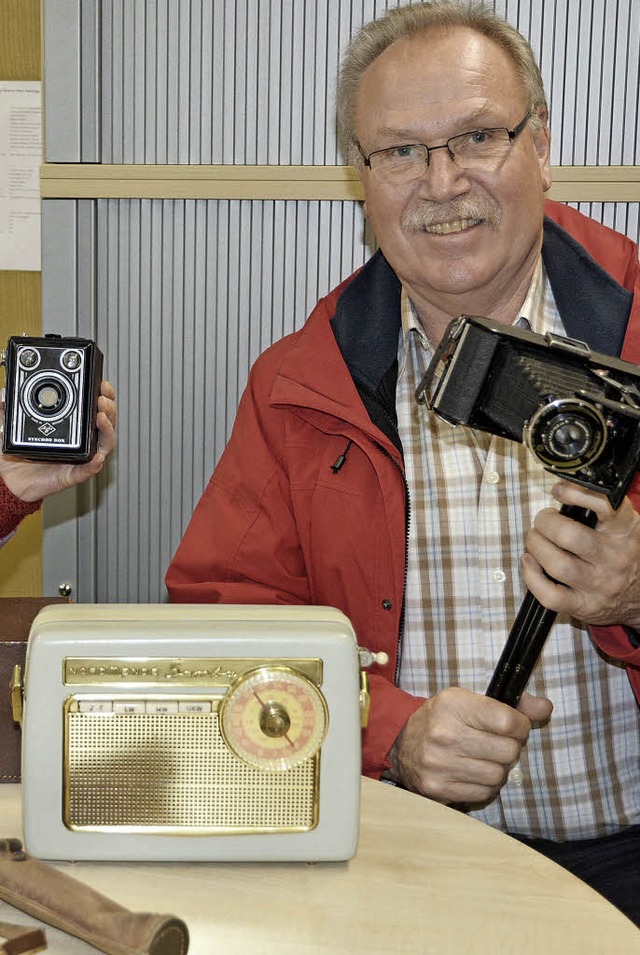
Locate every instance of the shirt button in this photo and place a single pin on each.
(499, 575)
(516, 777)
(493, 477)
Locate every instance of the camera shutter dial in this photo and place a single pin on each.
(567, 434)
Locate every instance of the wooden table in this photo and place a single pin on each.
(426, 879)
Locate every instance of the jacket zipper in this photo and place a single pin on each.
(407, 513)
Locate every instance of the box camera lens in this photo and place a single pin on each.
(51, 398)
(47, 396)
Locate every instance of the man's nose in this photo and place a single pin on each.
(442, 177)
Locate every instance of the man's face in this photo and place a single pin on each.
(426, 90)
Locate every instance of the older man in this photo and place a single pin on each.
(338, 488)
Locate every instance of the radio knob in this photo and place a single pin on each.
(274, 720)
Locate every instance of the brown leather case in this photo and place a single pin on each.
(67, 903)
(16, 617)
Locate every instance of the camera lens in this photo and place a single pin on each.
(569, 438)
(48, 398)
(567, 434)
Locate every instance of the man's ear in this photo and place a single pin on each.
(542, 144)
(359, 168)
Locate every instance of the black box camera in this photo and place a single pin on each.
(576, 410)
(51, 398)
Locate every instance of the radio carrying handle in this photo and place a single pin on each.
(528, 634)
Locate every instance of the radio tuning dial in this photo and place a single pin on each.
(273, 718)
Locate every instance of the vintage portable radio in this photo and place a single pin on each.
(192, 732)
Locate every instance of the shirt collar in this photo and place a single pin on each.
(411, 334)
(532, 314)
(531, 317)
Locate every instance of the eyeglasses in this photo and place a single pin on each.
(482, 149)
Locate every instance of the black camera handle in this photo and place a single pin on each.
(528, 634)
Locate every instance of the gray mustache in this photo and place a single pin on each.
(433, 213)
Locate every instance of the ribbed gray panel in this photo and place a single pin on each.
(61, 34)
(253, 81)
(185, 295)
(222, 81)
(588, 51)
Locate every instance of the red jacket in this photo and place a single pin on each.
(281, 522)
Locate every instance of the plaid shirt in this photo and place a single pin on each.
(473, 498)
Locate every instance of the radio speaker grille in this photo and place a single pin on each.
(175, 772)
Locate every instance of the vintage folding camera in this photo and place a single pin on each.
(51, 398)
(576, 410)
(192, 732)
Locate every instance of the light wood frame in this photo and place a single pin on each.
(341, 183)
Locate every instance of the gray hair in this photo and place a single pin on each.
(436, 17)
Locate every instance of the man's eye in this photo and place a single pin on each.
(404, 152)
(478, 137)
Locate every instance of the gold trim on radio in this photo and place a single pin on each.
(158, 787)
(198, 671)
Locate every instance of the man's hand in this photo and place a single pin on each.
(459, 746)
(32, 480)
(597, 570)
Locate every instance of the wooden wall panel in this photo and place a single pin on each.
(21, 558)
(20, 303)
(20, 40)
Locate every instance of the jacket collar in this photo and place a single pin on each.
(594, 308)
(366, 323)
